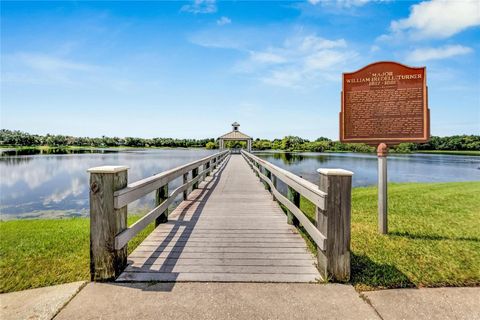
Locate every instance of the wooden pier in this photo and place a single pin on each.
(229, 227)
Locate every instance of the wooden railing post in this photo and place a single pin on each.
(106, 222)
(161, 195)
(185, 180)
(194, 175)
(294, 197)
(268, 174)
(274, 183)
(206, 166)
(334, 223)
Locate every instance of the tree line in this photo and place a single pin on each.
(294, 143)
(288, 143)
(20, 138)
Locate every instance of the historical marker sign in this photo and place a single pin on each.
(385, 102)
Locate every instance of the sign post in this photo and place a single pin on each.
(384, 104)
(382, 151)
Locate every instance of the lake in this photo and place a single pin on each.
(56, 185)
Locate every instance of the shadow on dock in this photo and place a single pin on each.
(183, 236)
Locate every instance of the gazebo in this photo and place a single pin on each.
(235, 135)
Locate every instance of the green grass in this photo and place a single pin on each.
(38, 253)
(433, 240)
(453, 152)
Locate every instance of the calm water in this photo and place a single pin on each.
(56, 185)
(401, 167)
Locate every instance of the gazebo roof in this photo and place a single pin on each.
(235, 135)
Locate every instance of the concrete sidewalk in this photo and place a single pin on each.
(217, 301)
(237, 301)
(41, 303)
(431, 303)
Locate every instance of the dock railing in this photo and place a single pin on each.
(110, 194)
(332, 199)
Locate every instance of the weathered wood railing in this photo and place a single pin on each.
(109, 196)
(332, 199)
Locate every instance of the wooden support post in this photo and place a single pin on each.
(195, 174)
(274, 183)
(269, 176)
(185, 180)
(206, 167)
(334, 223)
(294, 197)
(106, 263)
(382, 152)
(161, 195)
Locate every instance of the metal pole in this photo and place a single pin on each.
(382, 152)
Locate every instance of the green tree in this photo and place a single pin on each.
(210, 145)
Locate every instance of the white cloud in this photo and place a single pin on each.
(298, 61)
(266, 57)
(200, 6)
(39, 68)
(439, 18)
(48, 63)
(223, 21)
(345, 3)
(425, 54)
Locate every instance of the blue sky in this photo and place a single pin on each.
(190, 69)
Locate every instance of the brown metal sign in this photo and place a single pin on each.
(385, 102)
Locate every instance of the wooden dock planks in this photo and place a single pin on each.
(229, 229)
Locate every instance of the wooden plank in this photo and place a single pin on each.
(139, 262)
(226, 269)
(219, 249)
(222, 255)
(224, 242)
(253, 238)
(220, 277)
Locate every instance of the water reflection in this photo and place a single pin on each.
(57, 185)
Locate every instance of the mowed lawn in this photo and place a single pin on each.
(38, 253)
(434, 240)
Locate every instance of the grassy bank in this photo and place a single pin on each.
(452, 152)
(434, 240)
(38, 253)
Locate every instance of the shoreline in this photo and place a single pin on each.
(6, 148)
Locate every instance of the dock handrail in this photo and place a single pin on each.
(109, 196)
(299, 185)
(332, 199)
